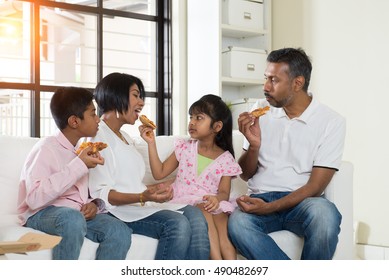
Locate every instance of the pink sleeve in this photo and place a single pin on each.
(46, 181)
(231, 167)
(179, 145)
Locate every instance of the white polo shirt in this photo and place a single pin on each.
(290, 148)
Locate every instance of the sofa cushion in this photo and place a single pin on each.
(165, 146)
(8, 201)
(12, 233)
(13, 154)
(290, 243)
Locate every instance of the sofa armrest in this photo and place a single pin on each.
(340, 192)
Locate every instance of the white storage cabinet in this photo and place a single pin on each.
(243, 63)
(243, 13)
(245, 44)
(234, 25)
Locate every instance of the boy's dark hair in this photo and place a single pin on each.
(298, 61)
(112, 92)
(69, 101)
(217, 110)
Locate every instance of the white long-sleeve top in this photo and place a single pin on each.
(123, 171)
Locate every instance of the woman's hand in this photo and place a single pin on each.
(158, 193)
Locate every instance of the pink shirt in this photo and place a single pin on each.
(189, 187)
(52, 175)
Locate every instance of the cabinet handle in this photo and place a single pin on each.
(247, 15)
(250, 67)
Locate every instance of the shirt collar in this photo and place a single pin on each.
(61, 138)
(305, 116)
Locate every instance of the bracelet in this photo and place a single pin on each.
(142, 203)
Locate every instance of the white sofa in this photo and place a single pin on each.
(13, 151)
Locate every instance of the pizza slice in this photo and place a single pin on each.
(96, 147)
(147, 122)
(260, 111)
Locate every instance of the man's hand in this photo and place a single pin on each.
(89, 210)
(253, 205)
(249, 127)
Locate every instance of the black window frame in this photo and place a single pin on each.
(163, 94)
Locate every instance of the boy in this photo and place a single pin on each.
(53, 190)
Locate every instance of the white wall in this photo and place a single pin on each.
(195, 73)
(349, 45)
(179, 42)
(203, 69)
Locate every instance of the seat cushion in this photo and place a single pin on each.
(289, 242)
(142, 247)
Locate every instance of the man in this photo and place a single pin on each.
(290, 155)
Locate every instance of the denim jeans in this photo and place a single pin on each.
(112, 234)
(316, 219)
(181, 236)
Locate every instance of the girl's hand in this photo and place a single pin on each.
(211, 203)
(147, 133)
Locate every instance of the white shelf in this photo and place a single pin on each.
(208, 46)
(239, 32)
(256, 37)
(228, 81)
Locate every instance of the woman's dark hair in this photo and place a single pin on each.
(69, 101)
(112, 92)
(297, 60)
(217, 110)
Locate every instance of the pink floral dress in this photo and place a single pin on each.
(189, 188)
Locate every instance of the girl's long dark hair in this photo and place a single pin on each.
(217, 110)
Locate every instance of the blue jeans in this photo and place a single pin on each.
(112, 234)
(316, 219)
(181, 236)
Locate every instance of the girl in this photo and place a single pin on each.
(206, 165)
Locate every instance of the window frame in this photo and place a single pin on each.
(163, 95)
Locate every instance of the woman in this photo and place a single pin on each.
(181, 230)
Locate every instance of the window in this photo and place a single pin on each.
(46, 44)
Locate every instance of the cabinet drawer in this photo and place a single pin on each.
(243, 63)
(243, 13)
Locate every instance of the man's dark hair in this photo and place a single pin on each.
(69, 101)
(297, 60)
